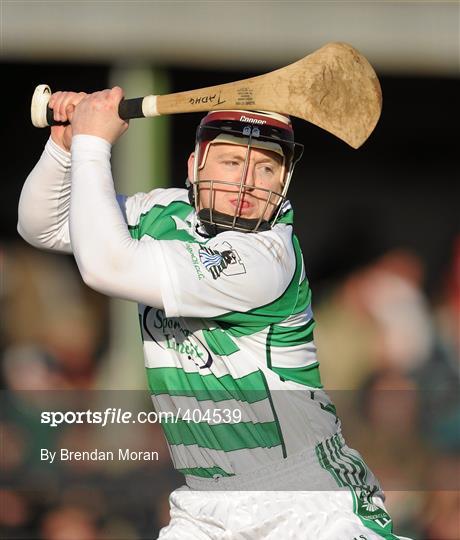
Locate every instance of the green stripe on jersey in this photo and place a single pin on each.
(250, 322)
(226, 437)
(307, 375)
(204, 472)
(287, 218)
(177, 382)
(290, 336)
(158, 222)
(304, 297)
(219, 342)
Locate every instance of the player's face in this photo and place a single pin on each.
(225, 162)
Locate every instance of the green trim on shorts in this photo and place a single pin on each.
(384, 529)
(337, 463)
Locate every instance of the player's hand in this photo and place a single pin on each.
(97, 114)
(63, 105)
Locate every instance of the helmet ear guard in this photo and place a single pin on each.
(260, 130)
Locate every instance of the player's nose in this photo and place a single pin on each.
(250, 178)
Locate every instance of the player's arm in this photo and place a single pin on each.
(109, 260)
(44, 204)
(43, 211)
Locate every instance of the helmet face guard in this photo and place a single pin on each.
(260, 130)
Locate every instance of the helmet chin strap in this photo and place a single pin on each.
(224, 222)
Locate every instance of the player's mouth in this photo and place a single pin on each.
(243, 206)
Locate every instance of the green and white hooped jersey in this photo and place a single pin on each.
(231, 355)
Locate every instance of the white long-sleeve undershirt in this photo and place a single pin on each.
(43, 212)
(109, 260)
(68, 204)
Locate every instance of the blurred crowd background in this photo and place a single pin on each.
(379, 228)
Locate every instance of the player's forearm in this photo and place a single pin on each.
(43, 211)
(109, 260)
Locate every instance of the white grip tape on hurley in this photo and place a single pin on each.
(149, 106)
(39, 104)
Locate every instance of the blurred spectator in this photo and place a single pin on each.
(392, 294)
(441, 515)
(69, 523)
(53, 326)
(377, 317)
(384, 426)
(14, 515)
(439, 377)
(447, 309)
(29, 367)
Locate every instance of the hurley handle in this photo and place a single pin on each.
(42, 115)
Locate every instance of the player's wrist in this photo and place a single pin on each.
(89, 145)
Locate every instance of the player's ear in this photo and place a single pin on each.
(191, 166)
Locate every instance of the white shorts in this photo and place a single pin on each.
(311, 500)
(267, 515)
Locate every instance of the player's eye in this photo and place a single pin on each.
(267, 170)
(231, 163)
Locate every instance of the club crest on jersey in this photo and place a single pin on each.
(225, 261)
